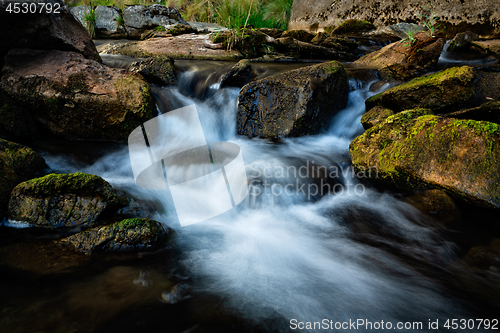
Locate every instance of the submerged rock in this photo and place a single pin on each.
(294, 103)
(62, 200)
(17, 164)
(44, 31)
(399, 61)
(440, 92)
(74, 97)
(239, 75)
(127, 235)
(158, 69)
(413, 152)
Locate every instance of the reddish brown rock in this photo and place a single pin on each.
(399, 61)
(74, 97)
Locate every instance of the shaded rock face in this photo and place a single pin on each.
(441, 92)
(42, 31)
(462, 41)
(139, 18)
(413, 152)
(353, 26)
(398, 61)
(375, 116)
(437, 204)
(486, 112)
(294, 103)
(17, 163)
(16, 122)
(397, 30)
(158, 69)
(62, 200)
(127, 235)
(482, 16)
(74, 97)
(239, 75)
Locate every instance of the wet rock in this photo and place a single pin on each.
(462, 41)
(158, 69)
(17, 164)
(74, 97)
(139, 18)
(127, 235)
(375, 116)
(441, 92)
(353, 26)
(178, 293)
(134, 207)
(484, 256)
(239, 75)
(398, 30)
(399, 61)
(62, 200)
(437, 204)
(294, 103)
(486, 112)
(300, 35)
(44, 31)
(338, 42)
(413, 152)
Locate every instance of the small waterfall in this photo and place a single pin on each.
(355, 254)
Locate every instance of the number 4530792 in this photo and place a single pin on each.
(32, 8)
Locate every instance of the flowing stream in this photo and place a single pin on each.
(353, 254)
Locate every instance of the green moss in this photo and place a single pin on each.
(353, 26)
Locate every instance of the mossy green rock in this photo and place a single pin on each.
(441, 92)
(62, 200)
(375, 116)
(413, 152)
(158, 69)
(17, 163)
(77, 98)
(294, 103)
(127, 235)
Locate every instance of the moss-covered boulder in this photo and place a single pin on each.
(74, 97)
(399, 61)
(353, 26)
(294, 103)
(463, 41)
(301, 35)
(441, 92)
(127, 235)
(239, 75)
(17, 163)
(158, 69)
(375, 116)
(62, 200)
(413, 152)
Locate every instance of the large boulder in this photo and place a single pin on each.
(482, 17)
(109, 22)
(62, 200)
(74, 97)
(412, 152)
(294, 103)
(127, 235)
(17, 164)
(44, 31)
(139, 18)
(442, 92)
(400, 61)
